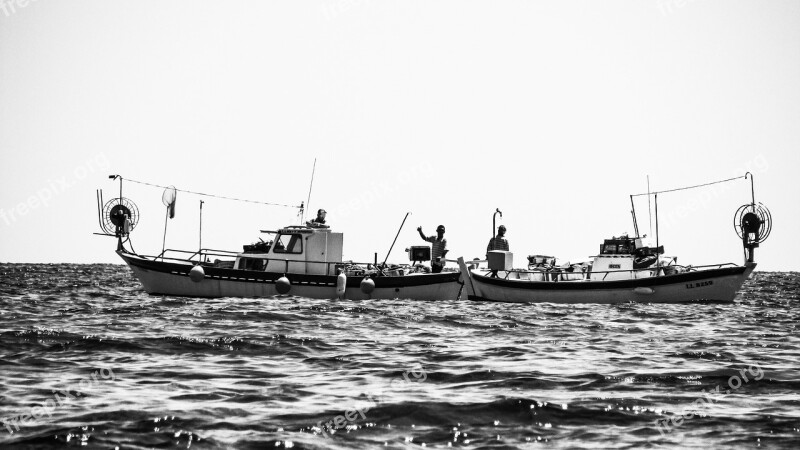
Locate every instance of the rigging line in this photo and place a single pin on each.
(212, 195)
(688, 187)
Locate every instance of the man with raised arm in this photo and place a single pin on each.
(438, 248)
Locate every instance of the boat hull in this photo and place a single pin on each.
(172, 278)
(719, 285)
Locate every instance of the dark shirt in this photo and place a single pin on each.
(317, 223)
(497, 243)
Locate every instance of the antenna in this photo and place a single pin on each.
(649, 208)
(200, 249)
(635, 223)
(658, 260)
(308, 201)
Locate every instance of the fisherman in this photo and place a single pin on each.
(498, 242)
(319, 222)
(438, 248)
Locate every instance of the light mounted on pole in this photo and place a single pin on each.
(494, 227)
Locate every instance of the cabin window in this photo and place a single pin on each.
(252, 264)
(289, 243)
(616, 247)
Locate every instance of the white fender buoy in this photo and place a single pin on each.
(197, 274)
(341, 285)
(283, 285)
(644, 290)
(367, 285)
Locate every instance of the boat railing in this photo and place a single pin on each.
(714, 266)
(199, 253)
(548, 274)
(328, 265)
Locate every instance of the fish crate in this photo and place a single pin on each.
(500, 260)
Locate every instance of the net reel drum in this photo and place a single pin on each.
(119, 217)
(753, 225)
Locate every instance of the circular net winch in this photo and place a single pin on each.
(753, 224)
(120, 216)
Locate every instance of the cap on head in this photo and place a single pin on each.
(440, 228)
(322, 211)
(501, 227)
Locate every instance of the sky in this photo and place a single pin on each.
(552, 111)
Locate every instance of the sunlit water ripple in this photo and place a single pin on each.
(93, 360)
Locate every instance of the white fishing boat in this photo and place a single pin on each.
(300, 260)
(624, 270)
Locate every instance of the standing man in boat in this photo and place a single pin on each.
(438, 248)
(498, 242)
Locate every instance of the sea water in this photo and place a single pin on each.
(87, 358)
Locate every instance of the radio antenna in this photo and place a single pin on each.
(649, 208)
(308, 201)
(200, 250)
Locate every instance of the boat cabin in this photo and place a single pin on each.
(622, 258)
(296, 249)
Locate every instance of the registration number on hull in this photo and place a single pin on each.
(699, 284)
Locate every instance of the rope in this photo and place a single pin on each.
(211, 195)
(689, 187)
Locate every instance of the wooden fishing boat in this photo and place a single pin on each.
(309, 265)
(300, 260)
(664, 284)
(624, 270)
